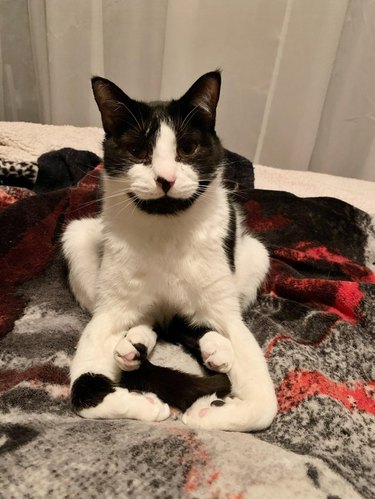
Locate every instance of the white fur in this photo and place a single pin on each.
(124, 404)
(83, 237)
(125, 353)
(155, 266)
(217, 351)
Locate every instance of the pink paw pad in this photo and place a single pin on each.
(203, 412)
(130, 356)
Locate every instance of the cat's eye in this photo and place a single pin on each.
(187, 148)
(138, 151)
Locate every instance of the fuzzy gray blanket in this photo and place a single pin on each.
(314, 320)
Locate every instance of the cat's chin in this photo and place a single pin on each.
(165, 205)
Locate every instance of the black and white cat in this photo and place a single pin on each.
(169, 252)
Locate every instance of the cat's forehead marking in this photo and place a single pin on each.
(164, 154)
(165, 145)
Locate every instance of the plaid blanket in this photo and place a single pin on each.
(314, 320)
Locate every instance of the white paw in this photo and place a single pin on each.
(217, 352)
(230, 413)
(130, 405)
(151, 408)
(127, 356)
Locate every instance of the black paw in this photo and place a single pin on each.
(89, 390)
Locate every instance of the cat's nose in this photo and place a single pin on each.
(165, 184)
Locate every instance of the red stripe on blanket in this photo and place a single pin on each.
(46, 373)
(298, 386)
(304, 252)
(342, 298)
(350, 268)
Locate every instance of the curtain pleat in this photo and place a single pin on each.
(298, 75)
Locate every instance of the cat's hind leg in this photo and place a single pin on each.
(253, 403)
(252, 265)
(81, 245)
(95, 376)
(135, 347)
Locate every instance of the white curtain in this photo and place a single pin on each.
(298, 75)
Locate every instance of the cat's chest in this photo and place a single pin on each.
(167, 271)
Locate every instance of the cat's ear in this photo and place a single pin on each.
(114, 105)
(203, 96)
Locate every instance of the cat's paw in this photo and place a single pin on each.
(131, 405)
(230, 413)
(134, 348)
(129, 356)
(150, 407)
(217, 352)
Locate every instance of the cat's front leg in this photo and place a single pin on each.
(252, 405)
(135, 347)
(95, 373)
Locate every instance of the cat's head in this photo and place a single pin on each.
(164, 154)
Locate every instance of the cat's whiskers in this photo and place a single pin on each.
(189, 117)
(140, 115)
(124, 203)
(103, 198)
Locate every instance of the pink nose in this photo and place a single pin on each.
(165, 184)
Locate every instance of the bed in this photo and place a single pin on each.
(314, 320)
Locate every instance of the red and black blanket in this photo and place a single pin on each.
(314, 319)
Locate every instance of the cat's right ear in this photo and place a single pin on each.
(114, 105)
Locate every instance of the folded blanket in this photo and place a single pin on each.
(315, 322)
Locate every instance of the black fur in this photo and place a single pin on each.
(89, 390)
(230, 239)
(168, 205)
(162, 206)
(176, 388)
(142, 351)
(180, 331)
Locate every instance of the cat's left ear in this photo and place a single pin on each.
(204, 95)
(114, 105)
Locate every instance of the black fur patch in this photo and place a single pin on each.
(89, 390)
(176, 388)
(167, 205)
(180, 331)
(217, 403)
(230, 238)
(142, 351)
(162, 206)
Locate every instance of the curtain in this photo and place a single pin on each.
(298, 75)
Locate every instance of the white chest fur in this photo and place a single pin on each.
(164, 265)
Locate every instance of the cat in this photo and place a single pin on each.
(169, 252)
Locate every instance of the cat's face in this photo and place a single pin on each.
(165, 154)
